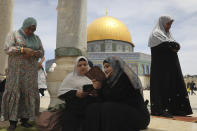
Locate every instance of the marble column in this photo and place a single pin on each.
(6, 23)
(71, 42)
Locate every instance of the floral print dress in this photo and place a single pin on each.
(21, 97)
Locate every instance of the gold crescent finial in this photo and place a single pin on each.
(106, 12)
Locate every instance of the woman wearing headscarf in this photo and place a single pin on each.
(21, 97)
(71, 91)
(122, 107)
(167, 88)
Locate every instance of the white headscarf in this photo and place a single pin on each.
(74, 81)
(159, 34)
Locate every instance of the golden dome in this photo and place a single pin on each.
(108, 28)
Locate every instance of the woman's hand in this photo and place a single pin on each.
(178, 46)
(81, 94)
(39, 65)
(174, 50)
(96, 84)
(107, 75)
(28, 51)
(36, 53)
(93, 93)
(175, 47)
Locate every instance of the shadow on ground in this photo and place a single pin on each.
(152, 129)
(20, 128)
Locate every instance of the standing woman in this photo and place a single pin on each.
(21, 97)
(167, 88)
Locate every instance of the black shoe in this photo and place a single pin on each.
(155, 114)
(180, 113)
(167, 114)
(11, 128)
(146, 102)
(26, 125)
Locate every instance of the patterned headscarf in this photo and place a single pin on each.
(120, 67)
(159, 34)
(32, 41)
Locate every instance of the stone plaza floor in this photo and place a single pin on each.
(159, 124)
(156, 124)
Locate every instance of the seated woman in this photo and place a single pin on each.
(76, 100)
(123, 107)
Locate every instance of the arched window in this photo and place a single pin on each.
(113, 46)
(147, 69)
(92, 49)
(103, 47)
(137, 67)
(143, 69)
(123, 48)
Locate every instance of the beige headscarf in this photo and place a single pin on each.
(74, 81)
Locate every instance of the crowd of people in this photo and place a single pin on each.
(114, 104)
(191, 87)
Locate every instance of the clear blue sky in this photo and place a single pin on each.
(140, 16)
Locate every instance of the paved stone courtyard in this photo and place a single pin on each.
(156, 124)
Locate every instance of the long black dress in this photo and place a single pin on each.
(167, 86)
(73, 115)
(2, 88)
(122, 109)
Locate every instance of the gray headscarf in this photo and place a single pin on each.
(159, 34)
(120, 67)
(32, 41)
(74, 81)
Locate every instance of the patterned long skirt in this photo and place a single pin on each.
(21, 97)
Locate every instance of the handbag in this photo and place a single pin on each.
(50, 120)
